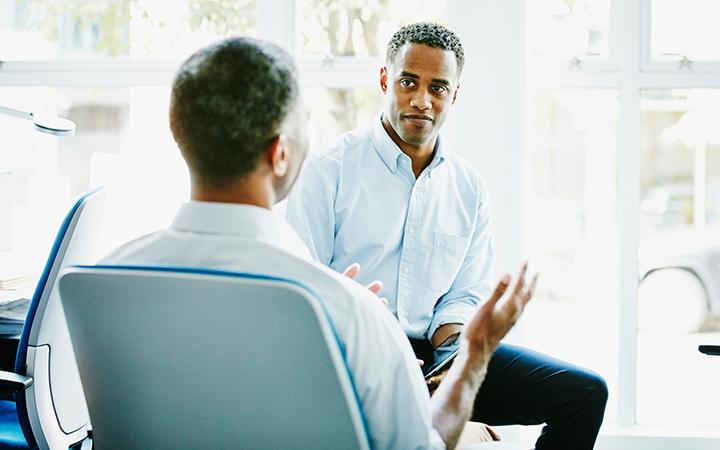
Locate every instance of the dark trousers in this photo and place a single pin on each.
(528, 388)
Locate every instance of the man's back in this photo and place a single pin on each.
(251, 239)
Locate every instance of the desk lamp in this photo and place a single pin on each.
(44, 123)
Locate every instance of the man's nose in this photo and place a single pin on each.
(421, 100)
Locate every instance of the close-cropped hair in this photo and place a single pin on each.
(430, 34)
(228, 103)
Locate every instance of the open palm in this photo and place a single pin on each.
(493, 320)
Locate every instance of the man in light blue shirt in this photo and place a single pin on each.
(427, 240)
(416, 217)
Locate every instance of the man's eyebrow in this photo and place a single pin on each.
(416, 77)
(409, 75)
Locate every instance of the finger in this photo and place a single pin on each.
(521, 280)
(375, 287)
(530, 290)
(499, 291)
(352, 270)
(421, 362)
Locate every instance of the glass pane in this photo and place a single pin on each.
(360, 27)
(335, 111)
(558, 31)
(122, 142)
(137, 29)
(688, 28)
(679, 295)
(572, 228)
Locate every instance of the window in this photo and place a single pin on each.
(107, 29)
(679, 254)
(686, 29)
(566, 34)
(572, 217)
(590, 195)
(359, 28)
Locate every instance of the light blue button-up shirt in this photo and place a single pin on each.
(427, 239)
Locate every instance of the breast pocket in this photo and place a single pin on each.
(448, 253)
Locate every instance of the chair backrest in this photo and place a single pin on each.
(52, 411)
(190, 358)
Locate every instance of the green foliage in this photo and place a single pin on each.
(222, 17)
(105, 20)
(104, 25)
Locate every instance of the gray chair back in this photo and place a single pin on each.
(184, 358)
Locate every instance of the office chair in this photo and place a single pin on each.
(48, 411)
(191, 358)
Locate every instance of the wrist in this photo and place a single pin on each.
(476, 356)
(445, 334)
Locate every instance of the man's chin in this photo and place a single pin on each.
(414, 139)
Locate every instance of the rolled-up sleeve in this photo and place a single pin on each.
(473, 282)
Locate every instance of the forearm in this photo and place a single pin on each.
(452, 403)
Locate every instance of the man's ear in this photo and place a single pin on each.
(457, 88)
(278, 156)
(383, 79)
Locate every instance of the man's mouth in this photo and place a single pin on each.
(418, 119)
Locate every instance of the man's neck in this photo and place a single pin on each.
(249, 191)
(421, 155)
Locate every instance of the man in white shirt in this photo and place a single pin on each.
(237, 117)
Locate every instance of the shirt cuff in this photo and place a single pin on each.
(454, 313)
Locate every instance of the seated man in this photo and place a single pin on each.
(238, 119)
(393, 198)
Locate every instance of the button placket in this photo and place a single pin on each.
(407, 258)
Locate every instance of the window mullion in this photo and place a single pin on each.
(277, 22)
(629, 201)
(87, 73)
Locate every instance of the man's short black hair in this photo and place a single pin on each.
(430, 34)
(228, 102)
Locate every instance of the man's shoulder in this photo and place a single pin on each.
(464, 172)
(347, 142)
(128, 252)
(329, 159)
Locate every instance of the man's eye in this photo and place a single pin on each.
(406, 83)
(438, 89)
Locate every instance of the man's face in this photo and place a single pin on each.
(295, 131)
(420, 85)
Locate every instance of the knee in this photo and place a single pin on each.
(596, 388)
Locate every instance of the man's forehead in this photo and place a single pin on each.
(425, 61)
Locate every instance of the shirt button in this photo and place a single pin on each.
(406, 270)
(411, 230)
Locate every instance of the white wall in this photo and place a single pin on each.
(486, 124)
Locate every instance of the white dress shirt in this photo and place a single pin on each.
(243, 238)
(427, 239)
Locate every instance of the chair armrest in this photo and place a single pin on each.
(710, 349)
(12, 382)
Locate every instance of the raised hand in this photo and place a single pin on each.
(493, 320)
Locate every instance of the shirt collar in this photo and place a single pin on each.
(244, 221)
(389, 151)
